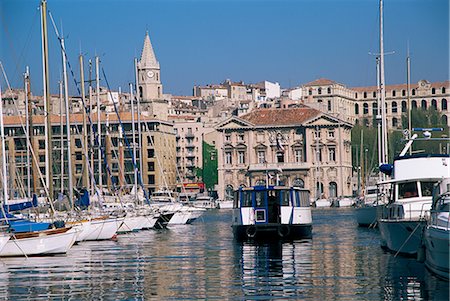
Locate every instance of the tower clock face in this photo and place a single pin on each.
(150, 74)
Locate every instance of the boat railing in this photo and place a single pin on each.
(411, 214)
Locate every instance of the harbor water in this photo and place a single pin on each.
(203, 261)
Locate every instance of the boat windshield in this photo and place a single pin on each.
(427, 188)
(407, 190)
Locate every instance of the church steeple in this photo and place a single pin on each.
(148, 58)
(150, 86)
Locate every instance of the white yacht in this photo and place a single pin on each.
(437, 233)
(404, 217)
(272, 212)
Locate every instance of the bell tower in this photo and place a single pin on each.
(149, 76)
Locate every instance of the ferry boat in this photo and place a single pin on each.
(271, 212)
(437, 232)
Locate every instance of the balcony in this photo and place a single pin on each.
(189, 135)
(190, 145)
(286, 166)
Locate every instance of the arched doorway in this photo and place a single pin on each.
(229, 192)
(333, 189)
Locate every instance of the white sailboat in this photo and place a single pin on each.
(437, 232)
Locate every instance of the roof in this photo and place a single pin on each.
(148, 58)
(281, 116)
(321, 82)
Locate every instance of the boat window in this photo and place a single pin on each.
(407, 190)
(285, 198)
(259, 198)
(236, 199)
(427, 188)
(246, 199)
(304, 198)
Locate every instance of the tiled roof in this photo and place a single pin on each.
(321, 82)
(281, 116)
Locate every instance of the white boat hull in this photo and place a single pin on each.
(437, 244)
(132, 224)
(401, 236)
(51, 244)
(4, 238)
(322, 203)
(98, 229)
(225, 204)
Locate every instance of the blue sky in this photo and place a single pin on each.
(201, 42)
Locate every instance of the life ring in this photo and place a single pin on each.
(251, 231)
(284, 231)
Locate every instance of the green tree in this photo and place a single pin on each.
(209, 171)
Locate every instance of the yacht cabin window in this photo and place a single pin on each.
(427, 188)
(246, 199)
(407, 190)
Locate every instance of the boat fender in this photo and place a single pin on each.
(251, 231)
(284, 230)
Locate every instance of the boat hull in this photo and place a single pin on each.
(403, 237)
(4, 238)
(272, 231)
(98, 229)
(437, 244)
(49, 242)
(366, 216)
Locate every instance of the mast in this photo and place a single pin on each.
(134, 139)
(138, 97)
(69, 143)
(85, 142)
(378, 119)
(46, 87)
(408, 86)
(318, 165)
(27, 117)
(384, 143)
(91, 134)
(61, 127)
(361, 161)
(2, 134)
(99, 129)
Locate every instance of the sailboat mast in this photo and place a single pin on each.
(138, 97)
(27, 88)
(61, 127)
(384, 143)
(408, 86)
(69, 142)
(134, 139)
(2, 133)
(85, 142)
(91, 133)
(99, 128)
(378, 119)
(47, 116)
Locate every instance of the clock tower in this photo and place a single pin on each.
(149, 78)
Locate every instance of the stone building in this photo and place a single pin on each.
(297, 146)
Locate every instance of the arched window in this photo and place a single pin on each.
(374, 94)
(394, 122)
(414, 104)
(393, 93)
(329, 105)
(333, 189)
(329, 90)
(310, 92)
(413, 92)
(434, 104)
(394, 107)
(403, 106)
(365, 108)
(374, 108)
(444, 104)
(140, 92)
(443, 90)
(365, 94)
(319, 188)
(444, 119)
(356, 95)
(356, 109)
(280, 157)
(319, 91)
(229, 192)
(403, 92)
(298, 183)
(424, 104)
(433, 91)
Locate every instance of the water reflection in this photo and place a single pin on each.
(203, 261)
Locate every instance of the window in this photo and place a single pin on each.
(317, 134)
(443, 90)
(241, 157)
(78, 143)
(413, 92)
(394, 107)
(433, 91)
(41, 158)
(259, 198)
(285, 198)
(374, 94)
(329, 90)
(298, 154)
(394, 122)
(241, 137)
(310, 92)
(403, 106)
(332, 154)
(434, 104)
(229, 192)
(329, 105)
(261, 156)
(427, 188)
(356, 95)
(333, 189)
(298, 183)
(365, 108)
(280, 157)
(407, 190)
(151, 179)
(444, 104)
(319, 91)
(365, 94)
(246, 199)
(228, 138)
(414, 104)
(318, 155)
(356, 109)
(78, 168)
(393, 93)
(150, 166)
(41, 144)
(150, 153)
(424, 104)
(374, 108)
(78, 156)
(331, 134)
(228, 158)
